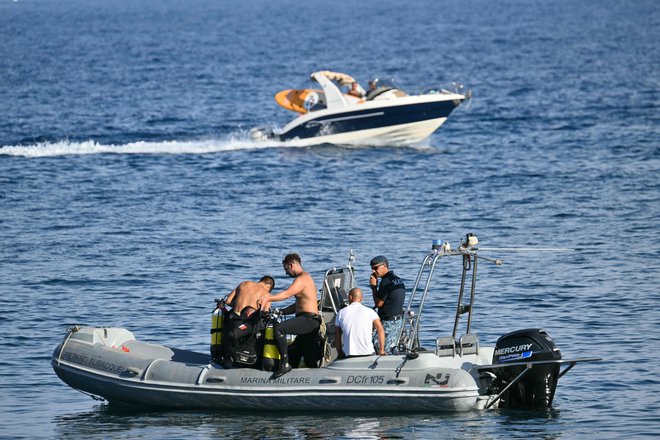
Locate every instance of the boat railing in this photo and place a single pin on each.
(409, 333)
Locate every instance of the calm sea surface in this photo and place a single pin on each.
(131, 195)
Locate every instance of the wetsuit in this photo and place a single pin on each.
(306, 326)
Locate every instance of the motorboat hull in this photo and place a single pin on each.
(393, 135)
(401, 121)
(120, 369)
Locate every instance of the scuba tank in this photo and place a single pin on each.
(217, 324)
(271, 355)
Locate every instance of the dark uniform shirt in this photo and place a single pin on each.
(392, 291)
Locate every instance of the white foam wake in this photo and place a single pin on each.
(166, 147)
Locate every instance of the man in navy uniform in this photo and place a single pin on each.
(388, 298)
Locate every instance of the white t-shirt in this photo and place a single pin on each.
(356, 324)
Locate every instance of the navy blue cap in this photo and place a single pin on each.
(379, 259)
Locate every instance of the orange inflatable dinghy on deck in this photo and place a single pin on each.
(294, 100)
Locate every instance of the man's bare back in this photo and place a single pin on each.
(245, 295)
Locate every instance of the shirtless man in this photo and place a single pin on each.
(356, 90)
(307, 321)
(242, 319)
(243, 299)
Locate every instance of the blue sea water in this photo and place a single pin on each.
(131, 194)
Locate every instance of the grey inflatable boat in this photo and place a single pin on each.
(458, 374)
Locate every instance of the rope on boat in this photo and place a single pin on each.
(405, 359)
(97, 398)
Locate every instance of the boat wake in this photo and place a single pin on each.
(207, 146)
(63, 148)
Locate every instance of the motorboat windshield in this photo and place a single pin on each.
(383, 82)
(383, 88)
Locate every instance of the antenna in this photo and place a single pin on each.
(351, 259)
(523, 249)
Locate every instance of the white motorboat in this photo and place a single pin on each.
(458, 374)
(385, 116)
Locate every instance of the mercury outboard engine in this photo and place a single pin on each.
(536, 388)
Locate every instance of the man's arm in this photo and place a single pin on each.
(295, 288)
(373, 283)
(229, 300)
(381, 336)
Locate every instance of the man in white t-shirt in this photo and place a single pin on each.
(354, 328)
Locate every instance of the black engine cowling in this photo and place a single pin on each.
(536, 389)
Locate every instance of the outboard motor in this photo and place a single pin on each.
(536, 388)
(262, 133)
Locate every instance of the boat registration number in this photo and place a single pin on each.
(365, 379)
